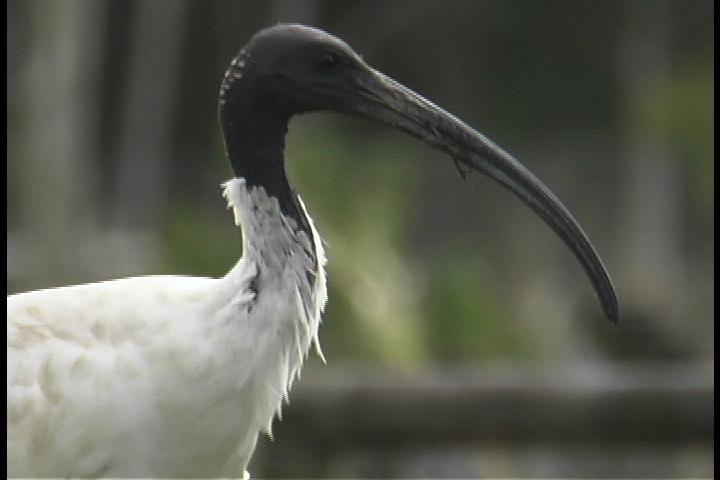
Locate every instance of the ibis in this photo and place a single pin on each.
(176, 376)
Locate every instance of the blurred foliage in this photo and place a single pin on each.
(681, 111)
(466, 314)
(363, 202)
(196, 244)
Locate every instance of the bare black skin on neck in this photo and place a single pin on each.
(254, 120)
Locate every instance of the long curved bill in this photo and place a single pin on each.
(387, 101)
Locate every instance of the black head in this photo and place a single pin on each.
(295, 69)
(283, 70)
(290, 69)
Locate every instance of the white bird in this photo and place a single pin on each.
(171, 376)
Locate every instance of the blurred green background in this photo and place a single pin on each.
(115, 161)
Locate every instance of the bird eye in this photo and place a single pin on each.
(329, 59)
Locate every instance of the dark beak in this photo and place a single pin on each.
(385, 100)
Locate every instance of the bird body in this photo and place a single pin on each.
(113, 374)
(168, 376)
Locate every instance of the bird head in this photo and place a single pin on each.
(289, 69)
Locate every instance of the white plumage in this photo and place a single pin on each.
(106, 379)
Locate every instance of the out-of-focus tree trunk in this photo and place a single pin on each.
(54, 102)
(144, 146)
(651, 241)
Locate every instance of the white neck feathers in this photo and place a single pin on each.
(290, 261)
